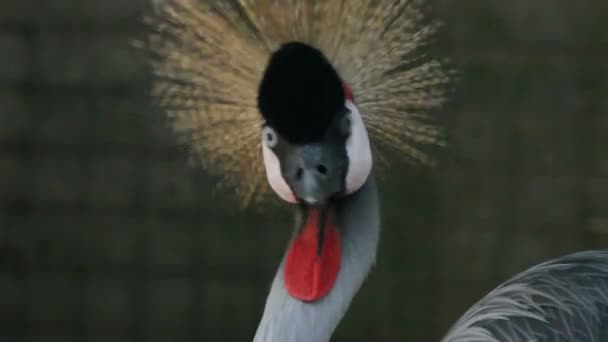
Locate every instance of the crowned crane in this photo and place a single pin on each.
(302, 96)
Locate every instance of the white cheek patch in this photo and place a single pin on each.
(275, 178)
(358, 150)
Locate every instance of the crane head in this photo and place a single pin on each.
(315, 144)
(316, 150)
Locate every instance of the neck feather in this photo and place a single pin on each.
(288, 319)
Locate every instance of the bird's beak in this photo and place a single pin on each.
(315, 172)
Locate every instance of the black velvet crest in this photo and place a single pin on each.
(300, 93)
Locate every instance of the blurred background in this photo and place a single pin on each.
(107, 234)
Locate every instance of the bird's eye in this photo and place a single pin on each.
(269, 137)
(345, 125)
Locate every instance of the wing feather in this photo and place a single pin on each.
(565, 299)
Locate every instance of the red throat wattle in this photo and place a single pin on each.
(310, 275)
(348, 93)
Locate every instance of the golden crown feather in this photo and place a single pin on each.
(209, 57)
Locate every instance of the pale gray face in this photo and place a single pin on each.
(337, 164)
(314, 172)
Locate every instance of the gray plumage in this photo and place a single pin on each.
(564, 299)
(210, 58)
(287, 319)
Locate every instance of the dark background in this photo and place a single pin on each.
(107, 233)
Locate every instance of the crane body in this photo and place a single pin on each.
(303, 98)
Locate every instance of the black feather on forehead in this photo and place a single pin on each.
(300, 93)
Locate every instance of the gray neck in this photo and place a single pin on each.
(287, 319)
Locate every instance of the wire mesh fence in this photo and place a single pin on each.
(108, 234)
